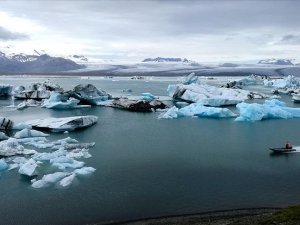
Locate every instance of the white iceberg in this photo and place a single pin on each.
(3, 165)
(84, 171)
(148, 96)
(198, 110)
(11, 147)
(64, 162)
(27, 133)
(63, 124)
(271, 109)
(3, 136)
(67, 181)
(29, 168)
(288, 82)
(189, 79)
(49, 179)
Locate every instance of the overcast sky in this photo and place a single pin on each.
(205, 31)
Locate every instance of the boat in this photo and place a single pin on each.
(282, 150)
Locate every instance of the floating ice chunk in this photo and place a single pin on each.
(5, 123)
(271, 109)
(84, 171)
(68, 146)
(29, 168)
(148, 96)
(38, 142)
(3, 136)
(288, 82)
(45, 156)
(105, 103)
(5, 89)
(11, 147)
(56, 102)
(26, 133)
(197, 109)
(63, 124)
(49, 179)
(67, 140)
(21, 126)
(3, 165)
(67, 180)
(27, 103)
(189, 79)
(64, 162)
(79, 153)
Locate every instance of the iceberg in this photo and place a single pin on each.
(271, 109)
(63, 124)
(3, 165)
(198, 110)
(5, 89)
(247, 81)
(148, 96)
(49, 179)
(138, 105)
(64, 162)
(59, 101)
(27, 133)
(11, 147)
(29, 168)
(84, 171)
(5, 123)
(67, 181)
(288, 82)
(27, 103)
(89, 94)
(189, 79)
(3, 136)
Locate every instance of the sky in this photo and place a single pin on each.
(131, 30)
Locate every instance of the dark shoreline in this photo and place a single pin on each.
(242, 216)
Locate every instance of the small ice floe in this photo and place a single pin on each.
(197, 110)
(84, 171)
(148, 96)
(49, 179)
(3, 136)
(64, 162)
(63, 124)
(27, 133)
(67, 181)
(29, 168)
(28, 103)
(3, 165)
(271, 109)
(11, 147)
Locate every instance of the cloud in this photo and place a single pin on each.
(6, 35)
(290, 39)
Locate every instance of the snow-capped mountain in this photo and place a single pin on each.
(38, 62)
(169, 60)
(281, 62)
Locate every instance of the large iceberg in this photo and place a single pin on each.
(246, 81)
(89, 94)
(271, 109)
(209, 95)
(63, 124)
(287, 82)
(138, 105)
(198, 110)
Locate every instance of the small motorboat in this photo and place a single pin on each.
(282, 150)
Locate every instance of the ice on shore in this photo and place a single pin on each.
(63, 124)
(27, 133)
(271, 109)
(29, 168)
(198, 110)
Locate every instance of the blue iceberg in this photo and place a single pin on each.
(198, 110)
(271, 109)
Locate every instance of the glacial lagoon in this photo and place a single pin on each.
(150, 167)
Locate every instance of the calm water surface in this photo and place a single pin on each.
(149, 167)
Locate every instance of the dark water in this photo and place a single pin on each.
(148, 167)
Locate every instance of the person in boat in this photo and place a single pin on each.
(288, 145)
